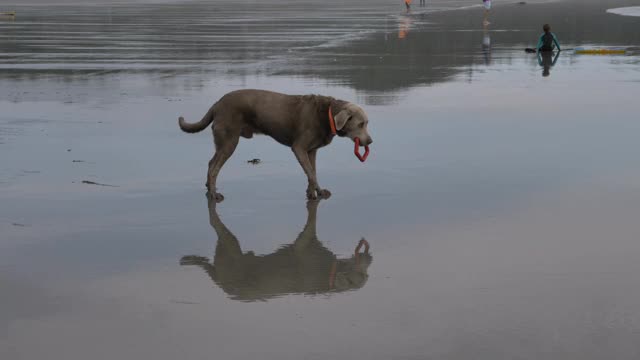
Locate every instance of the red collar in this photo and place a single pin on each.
(332, 122)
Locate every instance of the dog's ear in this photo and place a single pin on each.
(341, 119)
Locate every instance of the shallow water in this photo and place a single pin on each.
(499, 204)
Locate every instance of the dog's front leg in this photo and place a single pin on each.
(312, 160)
(313, 190)
(323, 193)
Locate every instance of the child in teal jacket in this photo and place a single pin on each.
(547, 40)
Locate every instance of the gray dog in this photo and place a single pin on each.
(305, 123)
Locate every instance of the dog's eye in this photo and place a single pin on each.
(361, 125)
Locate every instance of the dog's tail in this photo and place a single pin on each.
(198, 126)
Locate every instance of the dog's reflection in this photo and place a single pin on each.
(303, 267)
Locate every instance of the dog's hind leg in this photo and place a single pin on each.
(225, 140)
(312, 159)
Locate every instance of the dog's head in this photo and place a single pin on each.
(351, 121)
(351, 273)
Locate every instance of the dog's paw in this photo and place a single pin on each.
(314, 193)
(215, 196)
(311, 194)
(324, 193)
(219, 197)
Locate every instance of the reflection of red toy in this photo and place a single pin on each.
(366, 249)
(357, 253)
(356, 151)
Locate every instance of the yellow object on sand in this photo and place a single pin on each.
(7, 13)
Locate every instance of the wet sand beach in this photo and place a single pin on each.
(499, 201)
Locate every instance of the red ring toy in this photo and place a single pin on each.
(356, 150)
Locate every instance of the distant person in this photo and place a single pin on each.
(487, 8)
(547, 40)
(423, 2)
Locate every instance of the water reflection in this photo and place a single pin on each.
(377, 54)
(302, 267)
(7, 17)
(486, 43)
(547, 60)
(403, 26)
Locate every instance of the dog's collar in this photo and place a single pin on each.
(332, 123)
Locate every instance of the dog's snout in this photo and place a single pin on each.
(369, 141)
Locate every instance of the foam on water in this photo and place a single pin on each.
(626, 11)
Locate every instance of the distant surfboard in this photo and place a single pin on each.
(599, 51)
